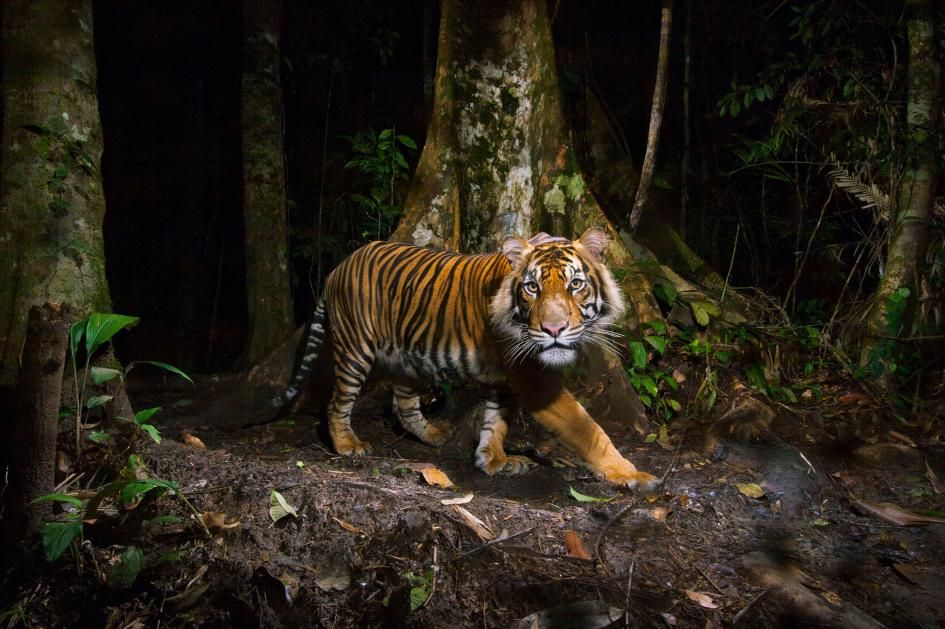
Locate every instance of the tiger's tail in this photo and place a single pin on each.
(313, 344)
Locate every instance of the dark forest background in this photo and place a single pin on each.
(169, 94)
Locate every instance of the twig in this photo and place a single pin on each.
(739, 615)
(626, 613)
(497, 540)
(809, 464)
(708, 578)
(603, 531)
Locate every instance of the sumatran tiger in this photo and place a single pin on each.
(509, 321)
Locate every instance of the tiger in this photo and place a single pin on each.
(508, 321)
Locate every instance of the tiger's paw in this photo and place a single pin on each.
(492, 463)
(350, 445)
(436, 435)
(628, 476)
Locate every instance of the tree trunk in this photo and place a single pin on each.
(264, 186)
(498, 158)
(32, 471)
(51, 200)
(908, 239)
(656, 114)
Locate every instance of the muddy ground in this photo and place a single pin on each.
(372, 544)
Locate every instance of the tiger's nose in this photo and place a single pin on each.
(553, 328)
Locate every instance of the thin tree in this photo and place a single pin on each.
(264, 181)
(656, 114)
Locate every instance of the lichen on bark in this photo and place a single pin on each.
(51, 205)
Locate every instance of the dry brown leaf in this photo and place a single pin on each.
(435, 476)
(351, 528)
(459, 500)
(217, 520)
(845, 478)
(478, 527)
(906, 439)
(937, 485)
(752, 490)
(852, 397)
(907, 572)
(833, 598)
(702, 599)
(659, 513)
(191, 440)
(894, 515)
(575, 548)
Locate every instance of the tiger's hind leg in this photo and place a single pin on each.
(490, 453)
(407, 407)
(351, 372)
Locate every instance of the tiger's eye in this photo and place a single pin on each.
(577, 284)
(531, 286)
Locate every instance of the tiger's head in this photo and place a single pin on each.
(558, 295)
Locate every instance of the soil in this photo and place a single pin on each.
(372, 543)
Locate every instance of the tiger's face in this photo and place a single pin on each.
(558, 295)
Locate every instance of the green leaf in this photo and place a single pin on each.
(97, 436)
(101, 375)
(650, 386)
(101, 327)
(124, 573)
(702, 310)
(666, 293)
(385, 134)
(135, 490)
(76, 332)
(657, 342)
(673, 404)
(639, 354)
(820, 522)
(418, 596)
(146, 414)
(59, 498)
(760, 93)
(279, 508)
(98, 400)
(152, 432)
(58, 535)
(164, 366)
(407, 141)
(585, 498)
(650, 438)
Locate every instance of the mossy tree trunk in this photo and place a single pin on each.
(264, 181)
(498, 157)
(908, 240)
(51, 200)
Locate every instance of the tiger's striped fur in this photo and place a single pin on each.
(506, 320)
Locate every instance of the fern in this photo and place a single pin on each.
(869, 195)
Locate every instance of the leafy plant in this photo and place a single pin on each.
(653, 383)
(380, 158)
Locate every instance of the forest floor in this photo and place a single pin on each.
(765, 519)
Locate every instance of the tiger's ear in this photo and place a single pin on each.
(595, 241)
(513, 247)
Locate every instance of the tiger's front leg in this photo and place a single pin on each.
(407, 406)
(490, 454)
(555, 408)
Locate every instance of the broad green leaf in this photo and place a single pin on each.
(650, 438)
(135, 490)
(407, 141)
(702, 310)
(673, 404)
(152, 432)
(124, 573)
(146, 414)
(279, 508)
(418, 596)
(164, 366)
(76, 332)
(666, 293)
(103, 326)
(97, 436)
(101, 375)
(657, 326)
(59, 498)
(820, 522)
(98, 400)
(657, 342)
(639, 354)
(58, 535)
(650, 386)
(585, 498)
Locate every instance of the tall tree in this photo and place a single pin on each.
(498, 158)
(51, 200)
(264, 180)
(909, 227)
